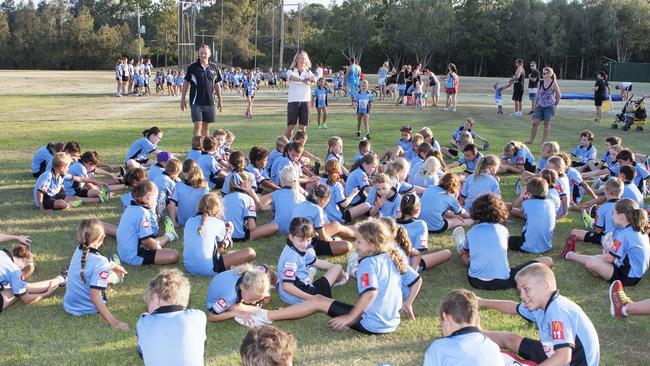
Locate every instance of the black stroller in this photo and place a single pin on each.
(633, 114)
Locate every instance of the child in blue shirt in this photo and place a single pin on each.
(197, 148)
(90, 273)
(585, 152)
(49, 193)
(167, 297)
(240, 206)
(280, 142)
(209, 166)
(482, 181)
(187, 194)
(378, 284)
(166, 184)
(498, 98)
(207, 239)
(467, 126)
(363, 102)
(517, 158)
(630, 190)
(463, 342)
(250, 86)
(626, 158)
(138, 154)
(338, 201)
(335, 151)
(539, 216)
(358, 179)
(365, 148)
(319, 99)
(258, 162)
(485, 249)
(470, 158)
(157, 169)
(295, 283)
(137, 240)
(567, 335)
(562, 185)
(384, 199)
(43, 157)
(440, 207)
(237, 161)
(628, 257)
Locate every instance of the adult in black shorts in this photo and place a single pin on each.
(518, 86)
(601, 91)
(300, 79)
(203, 79)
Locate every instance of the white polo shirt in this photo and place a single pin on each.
(299, 91)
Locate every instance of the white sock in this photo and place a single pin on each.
(171, 236)
(624, 310)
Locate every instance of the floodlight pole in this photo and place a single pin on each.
(137, 10)
(280, 65)
(221, 36)
(256, 6)
(272, 35)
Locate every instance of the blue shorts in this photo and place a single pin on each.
(532, 96)
(544, 113)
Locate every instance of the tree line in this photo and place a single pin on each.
(482, 37)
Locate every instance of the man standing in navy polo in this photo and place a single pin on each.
(202, 77)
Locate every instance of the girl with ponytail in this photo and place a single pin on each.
(207, 238)
(480, 182)
(138, 154)
(338, 200)
(90, 273)
(627, 255)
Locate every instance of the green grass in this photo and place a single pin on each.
(37, 107)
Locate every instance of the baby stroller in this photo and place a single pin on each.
(633, 114)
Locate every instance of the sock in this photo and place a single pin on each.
(624, 310)
(171, 236)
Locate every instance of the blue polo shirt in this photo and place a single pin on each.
(11, 275)
(279, 164)
(202, 81)
(223, 292)
(155, 171)
(194, 154)
(539, 214)
(470, 164)
(41, 159)
(250, 86)
(408, 278)
(575, 179)
(49, 184)
(311, 211)
(172, 335)
(259, 175)
(434, 204)
(417, 231)
(199, 250)
(563, 188)
(632, 252)
(282, 202)
(466, 346)
(210, 168)
(585, 154)
(378, 273)
(605, 216)
(226, 182)
(416, 163)
(424, 180)
(238, 208)
(541, 163)
(561, 324)
(135, 225)
(632, 192)
(405, 144)
(187, 200)
(391, 205)
(357, 179)
(363, 101)
(273, 156)
(522, 156)
(554, 196)
(339, 158)
(292, 268)
(76, 300)
(77, 169)
(333, 207)
(459, 130)
(320, 94)
(475, 186)
(140, 150)
(487, 245)
(166, 186)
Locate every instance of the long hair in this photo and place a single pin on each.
(304, 54)
(210, 204)
(90, 231)
(378, 235)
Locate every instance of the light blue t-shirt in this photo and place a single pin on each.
(417, 231)
(77, 169)
(539, 214)
(76, 300)
(187, 200)
(585, 154)
(41, 159)
(320, 94)
(476, 186)
(238, 208)
(363, 101)
(311, 211)
(632, 252)
(434, 204)
(200, 250)
(487, 244)
(292, 268)
(223, 292)
(466, 346)
(379, 273)
(49, 184)
(136, 224)
(11, 275)
(140, 150)
(282, 202)
(357, 179)
(337, 197)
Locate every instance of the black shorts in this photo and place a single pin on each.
(445, 226)
(218, 265)
(593, 237)
(319, 287)
(516, 242)
(41, 170)
(2, 301)
(340, 308)
(576, 164)
(518, 94)
(499, 284)
(298, 112)
(532, 350)
(530, 167)
(598, 102)
(148, 255)
(81, 192)
(321, 247)
(620, 276)
(247, 236)
(202, 113)
(48, 201)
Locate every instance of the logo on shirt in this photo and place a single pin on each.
(222, 304)
(146, 223)
(520, 160)
(617, 244)
(251, 208)
(290, 269)
(22, 277)
(103, 275)
(559, 188)
(365, 280)
(557, 330)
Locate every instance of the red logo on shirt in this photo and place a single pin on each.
(520, 160)
(103, 275)
(146, 223)
(222, 303)
(559, 188)
(365, 280)
(289, 273)
(557, 329)
(617, 244)
(22, 277)
(251, 208)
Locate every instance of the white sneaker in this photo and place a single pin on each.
(458, 235)
(445, 109)
(258, 319)
(353, 264)
(453, 110)
(607, 241)
(343, 281)
(518, 187)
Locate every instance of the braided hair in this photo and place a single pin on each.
(90, 232)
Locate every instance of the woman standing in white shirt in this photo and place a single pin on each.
(300, 79)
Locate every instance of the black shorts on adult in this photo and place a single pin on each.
(445, 226)
(340, 308)
(148, 255)
(81, 192)
(598, 102)
(499, 284)
(217, 263)
(321, 247)
(532, 350)
(319, 287)
(48, 201)
(518, 94)
(202, 113)
(298, 112)
(620, 276)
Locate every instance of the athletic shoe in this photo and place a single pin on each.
(343, 281)
(358, 134)
(518, 189)
(353, 264)
(569, 245)
(63, 278)
(324, 126)
(445, 109)
(367, 137)
(75, 203)
(320, 127)
(122, 171)
(458, 235)
(593, 211)
(586, 219)
(256, 320)
(486, 145)
(618, 300)
(104, 196)
(169, 228)
(607, 242)
(115, 259)
(453, 110)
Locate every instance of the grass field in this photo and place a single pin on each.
(37, 107)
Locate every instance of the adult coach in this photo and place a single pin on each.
(300, 79)
(518, 86)
(533, 85)
(202, 77)
(353, 73)
(547, 100)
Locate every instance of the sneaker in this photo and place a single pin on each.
(169, 228)
(518, 189)
(617, 299)
(115, 259)
(593, 211)
(104, 195)
(342, 281)
(569, 245)
(75, 203)
(358, 134)
(122, 171)
(607, 242)
(453, 110)
(367, 137)
(445, 109)
(458, 235)
(586, 219)
(324, 126)
(353, 264)
(63, 278)
(256, 320)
